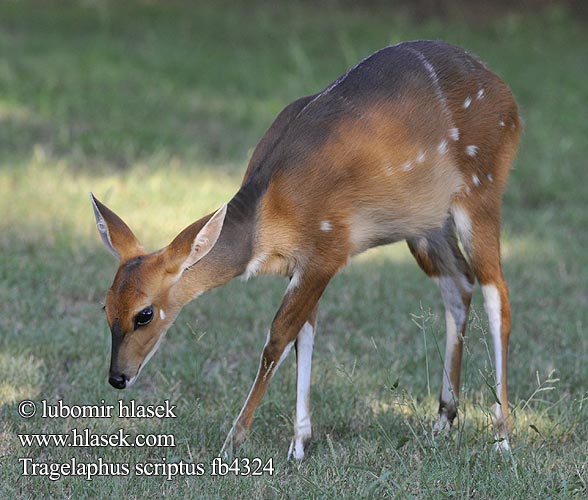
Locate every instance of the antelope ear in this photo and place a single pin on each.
(194, 242)
(115, 234)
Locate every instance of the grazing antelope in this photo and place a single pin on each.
(413, 143)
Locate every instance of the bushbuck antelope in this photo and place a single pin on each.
(413, 143)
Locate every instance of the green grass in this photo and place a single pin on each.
(156, 108)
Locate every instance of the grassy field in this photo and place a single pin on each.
(156, 109)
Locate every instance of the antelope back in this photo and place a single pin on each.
(381, 155)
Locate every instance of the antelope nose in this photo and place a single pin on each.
(117, 381)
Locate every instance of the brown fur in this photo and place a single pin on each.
(380, 156)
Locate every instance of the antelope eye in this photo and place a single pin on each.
(144, 317)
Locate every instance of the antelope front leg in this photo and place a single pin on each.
(302, 426)
(299, 302)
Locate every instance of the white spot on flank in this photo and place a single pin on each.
(501, 123)
(475, 180)
(421, 157)
(326, 226)
(408, 166)
(467, 102)
(442, 147)
(162, 314)
(480, 94)
(489, 177)
(471, 150)
(454, 133)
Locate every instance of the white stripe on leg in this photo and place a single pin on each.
(493, 310)
(302, 426)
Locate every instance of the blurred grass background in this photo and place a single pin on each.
(156, 107)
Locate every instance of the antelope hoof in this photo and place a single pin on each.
(502, 427)
(234, 440)
(443, 424)
(298, 446)
(299, 443)
(502, 446)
